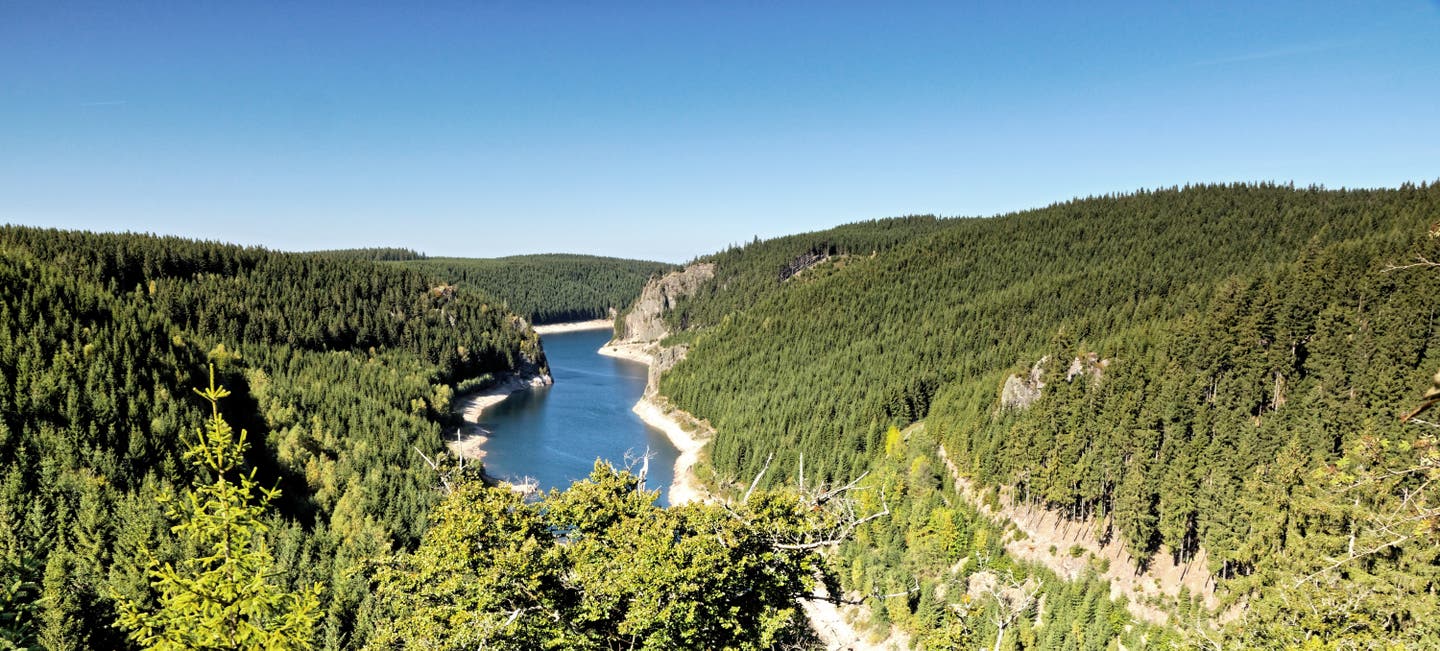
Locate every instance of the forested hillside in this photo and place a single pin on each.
(550, 288)
(373, 254)
(341, 369)
(1219, 364)
(1213, 376)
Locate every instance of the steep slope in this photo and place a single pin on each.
(639, 336)
(1247, 326)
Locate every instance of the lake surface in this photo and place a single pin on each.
(554, 434)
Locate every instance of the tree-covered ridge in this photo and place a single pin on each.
(746, 274)
(312, 302)
(1251, 334)
(342, 369)
(873, 340)
(549, 288)
(373, 254)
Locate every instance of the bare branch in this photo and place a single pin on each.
(444, 480)
(837, 600)
(824, 497)
(1418, 410)
(1421, 261)
(903, 593)
(843, 532)
(758, 475)
(644, 462)
(1350, 557)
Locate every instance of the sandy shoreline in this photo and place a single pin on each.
(685, 487)
(632, 352)
(575, 326)
(469, 440)
(826, 618)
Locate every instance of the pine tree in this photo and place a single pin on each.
(19, 607)
(220, 598)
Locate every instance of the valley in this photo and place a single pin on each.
(718, 326)
(1130, 432)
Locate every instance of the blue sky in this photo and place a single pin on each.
(667, 130)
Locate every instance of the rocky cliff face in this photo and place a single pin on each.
(664, 359)
(645, 322)
(644, 326)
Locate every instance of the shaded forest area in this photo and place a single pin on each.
(1257, 356)
(549, 288)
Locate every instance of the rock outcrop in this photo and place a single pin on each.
(804, 261)
(1020, 392)
(664, 358)
(637, 338)
(644, 325)
(645, 322)
(1089, 365)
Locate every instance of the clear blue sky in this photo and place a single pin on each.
(670, 129)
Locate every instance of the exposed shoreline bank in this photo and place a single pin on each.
(469, 440)
(632, 352)
(685, 485)
(575, 326)
(827, 619)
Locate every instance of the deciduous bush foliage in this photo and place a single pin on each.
(936, 566)
(599, 566)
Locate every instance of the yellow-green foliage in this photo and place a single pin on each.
(599, 566)
(915, 569)
(894, 442)
(220, 596)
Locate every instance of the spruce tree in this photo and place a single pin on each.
(220, 597)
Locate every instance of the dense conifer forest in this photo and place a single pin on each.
(1212, 376)
(341, 371)
(549, 288)
(305, 499)
(373, 254)
(1223, 371)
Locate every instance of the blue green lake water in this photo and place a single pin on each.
(554, 434)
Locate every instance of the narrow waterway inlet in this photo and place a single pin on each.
(554, 434)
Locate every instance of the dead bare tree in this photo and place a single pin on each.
(643, 460)
(1011, 596)
(1420, 262)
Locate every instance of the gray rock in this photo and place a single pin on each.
(1020, 392)
(645, 322)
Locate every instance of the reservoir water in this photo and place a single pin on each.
(554, 434)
